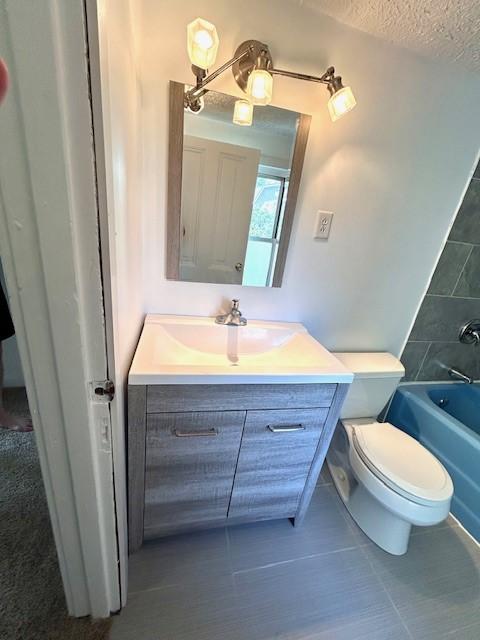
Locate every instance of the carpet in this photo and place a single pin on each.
(32, 604)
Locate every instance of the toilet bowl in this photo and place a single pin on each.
(387, 480)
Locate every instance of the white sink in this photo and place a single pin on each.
(194, 350)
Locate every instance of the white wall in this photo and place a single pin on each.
(122, 127)
(393, 171)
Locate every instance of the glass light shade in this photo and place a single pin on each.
(341, 103)
(243, 113)
(260, 87)
(202, 43)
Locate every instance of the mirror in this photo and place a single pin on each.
(232, 190)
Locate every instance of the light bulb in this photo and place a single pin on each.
(340, 103)
(243, 113)
(202, 43)
(260, 86)
(203, 39)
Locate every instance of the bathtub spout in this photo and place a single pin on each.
(458, 375)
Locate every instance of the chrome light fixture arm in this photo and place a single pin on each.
(327, 78)
(204, 78)
(252, 54)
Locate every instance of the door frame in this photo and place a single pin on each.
(49, 242)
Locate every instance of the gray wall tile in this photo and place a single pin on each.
(440, 318)
(469, 282)
(412, 358)
(449, 268)
(466, 227)
(442, 355)
(453, 298)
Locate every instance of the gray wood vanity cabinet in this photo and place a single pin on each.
(202, 456)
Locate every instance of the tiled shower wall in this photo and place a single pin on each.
(452, 299)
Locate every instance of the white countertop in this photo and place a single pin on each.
(195, 350)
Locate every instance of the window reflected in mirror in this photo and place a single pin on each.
(271, 190)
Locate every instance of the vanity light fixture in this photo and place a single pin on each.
(243, 113)
(253, 70)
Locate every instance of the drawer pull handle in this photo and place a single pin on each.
(193, 434)
(284, 428)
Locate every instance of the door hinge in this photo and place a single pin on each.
(103, 390)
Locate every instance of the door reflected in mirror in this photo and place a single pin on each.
(236, 200)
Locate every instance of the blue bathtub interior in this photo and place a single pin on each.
(445, 418)
(460, 401)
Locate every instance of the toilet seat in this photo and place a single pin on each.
(400, 462)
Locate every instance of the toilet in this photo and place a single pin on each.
(387, 480)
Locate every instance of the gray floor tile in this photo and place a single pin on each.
(325, 476)
(442, 617)
(309, 597)
(465, 633)
(336, 596)
(323, 581)
(436, 585)
(187, 558)
(382, 627)
(323, 530)
(440, 562)
(181, 612)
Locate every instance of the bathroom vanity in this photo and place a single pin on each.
(226, 424)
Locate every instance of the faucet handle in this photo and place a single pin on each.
(470, 332)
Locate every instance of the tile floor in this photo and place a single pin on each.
(324, 581)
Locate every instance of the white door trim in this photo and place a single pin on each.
(49, 246)
(97, 37)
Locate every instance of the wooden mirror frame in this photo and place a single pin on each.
(174, 193)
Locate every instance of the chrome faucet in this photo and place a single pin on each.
(459, 375)
(233, 318)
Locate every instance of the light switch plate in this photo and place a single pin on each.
(322, 225)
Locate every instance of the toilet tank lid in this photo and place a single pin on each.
(372, 365)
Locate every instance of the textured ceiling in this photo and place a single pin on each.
(447, 29)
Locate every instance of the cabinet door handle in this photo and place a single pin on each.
(193, 434)
(283, 428)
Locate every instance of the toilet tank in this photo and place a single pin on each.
(376, 377)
